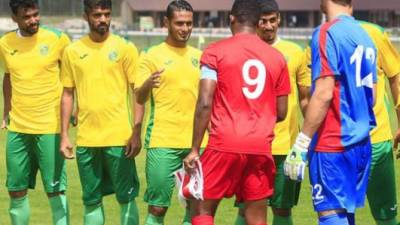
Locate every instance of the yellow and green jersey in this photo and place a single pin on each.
(287, 130)
(172, 105)
(387, 66)
(34, 67)
(101, 74)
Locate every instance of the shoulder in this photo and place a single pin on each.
(194, 51)
(8, 36)
(52, 32)
(292, 45)
(371, 27)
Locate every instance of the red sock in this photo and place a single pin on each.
(203, 220)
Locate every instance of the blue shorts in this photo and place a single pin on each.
(339, 180)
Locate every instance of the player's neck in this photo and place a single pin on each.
(337, 10)
(176, 44)
(96, 37)
(243, 30)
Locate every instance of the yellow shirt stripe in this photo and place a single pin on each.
(101, 74)
(33, 65)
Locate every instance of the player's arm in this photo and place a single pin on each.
(202, 115)
(281, 107)
(143, 92)
(7, 99)
(319, 104)
(134, 144)
(67, 105)
(304, 97)
(304, 80)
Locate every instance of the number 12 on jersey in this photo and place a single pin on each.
(357, 58)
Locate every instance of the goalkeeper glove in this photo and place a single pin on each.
(296, 160)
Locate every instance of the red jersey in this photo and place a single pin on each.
(250, 76)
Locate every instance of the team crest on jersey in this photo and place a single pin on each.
(195, 62)
(112, 56)
(44, 50)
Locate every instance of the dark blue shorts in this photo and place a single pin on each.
(339, 180)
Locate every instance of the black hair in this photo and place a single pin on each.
(89, 5)
(343, 2)
(246, 11)
(178, 5)
(16, 4)
(269, 6)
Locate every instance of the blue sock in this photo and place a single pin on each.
(351, 219)
(334, 219)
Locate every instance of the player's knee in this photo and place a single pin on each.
(157, 211)
(282, 212)
(54, 194)
(17, 194)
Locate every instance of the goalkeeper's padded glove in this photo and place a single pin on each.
(296, 160)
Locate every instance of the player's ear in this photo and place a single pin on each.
(279, 18)
(232, 19)
(14, 17)
(85, 16)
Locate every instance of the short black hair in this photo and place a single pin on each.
(343, 2)
(178, 5)
(89, 5)
(246, 11)
(16, 4)
(269, 6)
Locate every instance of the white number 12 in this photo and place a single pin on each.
(357, 58)
(259, 80)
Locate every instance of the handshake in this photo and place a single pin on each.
(296, 160)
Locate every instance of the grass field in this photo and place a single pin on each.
(303, 213)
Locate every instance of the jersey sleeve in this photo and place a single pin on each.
(389, 58)
(144, 69)
(67, 78)
(325, 60)
(209, 58)
(282, 85)
(303, 74)
(63, 43)
(129, 62)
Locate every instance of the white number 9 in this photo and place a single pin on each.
(259, 80)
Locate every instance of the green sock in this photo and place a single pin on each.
(387, 222)
(94, 215)
(240, 220)
(129, 213)
(187, 220)
(59, 210)
(282, 220)
(154, 220)
(19, 211)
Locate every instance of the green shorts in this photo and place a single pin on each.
(161, 163)
(28, 153)
(104, 171)
(286, 192)
(381, 191)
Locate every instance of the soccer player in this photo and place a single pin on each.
(286, 192)
(342, 81)
(100, 67)
(381, 191)
(168, 76)
(244, 90)
(32, 90)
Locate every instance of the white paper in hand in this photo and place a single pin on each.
(189, 187)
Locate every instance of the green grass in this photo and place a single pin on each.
(303, 213)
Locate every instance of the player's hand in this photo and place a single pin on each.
(155, 79)
(66, 148)
(134, 145)
(190, 161)
(296, 160)
(4, 123)
(396, 141)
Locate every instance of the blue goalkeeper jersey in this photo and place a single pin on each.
(341, 48)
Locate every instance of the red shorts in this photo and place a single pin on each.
(249, 177)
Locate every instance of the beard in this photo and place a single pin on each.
(101, 29)
(31, 29)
